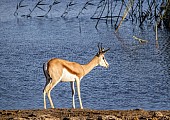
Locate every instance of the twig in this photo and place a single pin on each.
(98, 6)
(119, 14)
(156, 35)
(101, 13)
(140, 40)
(125, 13)
(36, 6)
(85, 7)
(50, 6)
(19, 5)
(71, 3)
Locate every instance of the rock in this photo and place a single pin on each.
(32, 115)
(142, 118)
(154, 118)
(135, 118)
(89, 118)
(66, 118)
(110, 117)
(158, 114)
(99, 118)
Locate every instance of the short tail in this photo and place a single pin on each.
(47, 76)
(45, 65)
(45, 69)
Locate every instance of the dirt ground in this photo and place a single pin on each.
(83, 114)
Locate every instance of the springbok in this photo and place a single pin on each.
(58, 70)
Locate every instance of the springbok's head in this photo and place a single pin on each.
(100, 55)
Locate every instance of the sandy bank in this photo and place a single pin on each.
(85, 114)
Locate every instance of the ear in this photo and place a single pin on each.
(105, 51)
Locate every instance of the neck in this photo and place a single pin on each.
(89, 66)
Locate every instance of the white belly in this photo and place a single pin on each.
(68, 77)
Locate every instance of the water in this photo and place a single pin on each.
(138, 75)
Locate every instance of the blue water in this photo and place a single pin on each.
(138, 75)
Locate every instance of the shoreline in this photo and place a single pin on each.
(84, 114)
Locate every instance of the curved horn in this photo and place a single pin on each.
(99, 47)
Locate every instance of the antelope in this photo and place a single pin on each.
(58, 70)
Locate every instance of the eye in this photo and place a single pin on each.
(103, 58)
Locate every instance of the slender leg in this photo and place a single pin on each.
(52, 84)
(49, 97)
(44, 99)
(79, 95)
(73, 93)
(46, 88)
